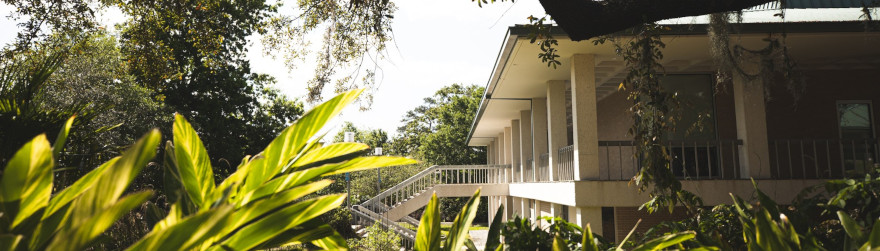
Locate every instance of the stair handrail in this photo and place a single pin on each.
(423, 174)
(376, 217)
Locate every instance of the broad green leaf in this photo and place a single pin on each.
(234, 180)
(189, 232)
(309, 231)
(115, 179)
(428, 235)
(493, 238)
(666, 241)
(78, 237)
(851, 227)
(364, 163)
(256, 209)
(470, 246)
(588, 242)
(27, 181)
(459, 230)
(329, 152)
(174, 216)
(559, 244)
(279, 221)
(331, 242)
(873, 243)
(9, 241)
(192, 162)
(62, 138)
(294, 138)
(68, 194)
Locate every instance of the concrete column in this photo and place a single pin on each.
(526, 208)
(490, 153)
(508, 208)
(584, 118)
(500, 144)
(507, 146)
(539, 129)
(591, 215)
(555, 210)
(525, 137)
(515, 154)
(557, 135)
(751, 127)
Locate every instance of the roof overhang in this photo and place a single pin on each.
(519, 75)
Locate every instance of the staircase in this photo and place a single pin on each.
(395, 204)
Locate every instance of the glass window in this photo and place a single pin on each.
(857, 142)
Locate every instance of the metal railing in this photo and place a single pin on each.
(691, 159)
(365, 217)
(542, 168)
(428, 178)
(822, 158)
(565, 164)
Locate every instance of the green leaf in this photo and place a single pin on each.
(294, 138)
(851, 227)
(459, 230)
(189, 232)
(666, 241)
(493, 238)
(279, 221)
(256, 209)
(112, 183)
(329, 152)
(428, 235)
(364, 163)
(62, 138)
(192, 162)
(873, 243)
(588, 242)
(331, 242)
(312, 230)
(9, 241)
(27, 182)
(68, 194)
(78, 237)
(559, 244)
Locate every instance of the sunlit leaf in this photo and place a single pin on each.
(192, 162)
(27, 181)
(459, 230)
(428, 235)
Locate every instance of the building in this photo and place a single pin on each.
(558, 143)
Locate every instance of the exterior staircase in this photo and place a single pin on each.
(393, 206)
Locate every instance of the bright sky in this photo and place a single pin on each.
(437, 43)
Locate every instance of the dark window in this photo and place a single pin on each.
(856, 135)
(692, 145)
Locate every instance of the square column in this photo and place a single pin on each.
(490, 153)
(539, 131)
(557, 135)
(591, 215)
(584, 117)
(751, 127)
(526, 208)
(516, 160)
(525, 137)
(508, 145)
(500, 150)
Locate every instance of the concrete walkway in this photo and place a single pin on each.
(479, 237)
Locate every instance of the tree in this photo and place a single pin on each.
(436, 132)
(193, 56)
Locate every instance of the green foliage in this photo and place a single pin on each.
(31, 218)
(428, 236)
(376, 239)
(436, 131)
(193, 56)
(765, 228)
(260, 205)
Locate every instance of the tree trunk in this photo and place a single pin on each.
(585, 19)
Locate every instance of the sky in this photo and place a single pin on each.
(436, 43)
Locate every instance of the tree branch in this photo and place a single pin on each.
(585, 19)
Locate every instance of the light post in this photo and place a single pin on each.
(378, 152)
(348, 137)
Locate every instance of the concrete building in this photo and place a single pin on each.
(557, 137)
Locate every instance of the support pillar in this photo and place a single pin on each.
(557, 127)
(591, 215)
(539, 130)
(525, 132)
(500, 150)
(516, 160)
(584, 117)
(751, 127)
(490, 153)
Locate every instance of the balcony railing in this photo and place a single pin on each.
(822, 158)
(565, 164)
(529, 171)
(691, 159)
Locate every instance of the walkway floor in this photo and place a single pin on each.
(479, 237)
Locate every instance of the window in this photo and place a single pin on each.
(857, 144)
(692, 143)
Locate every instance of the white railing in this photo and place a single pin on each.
(365, 217)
